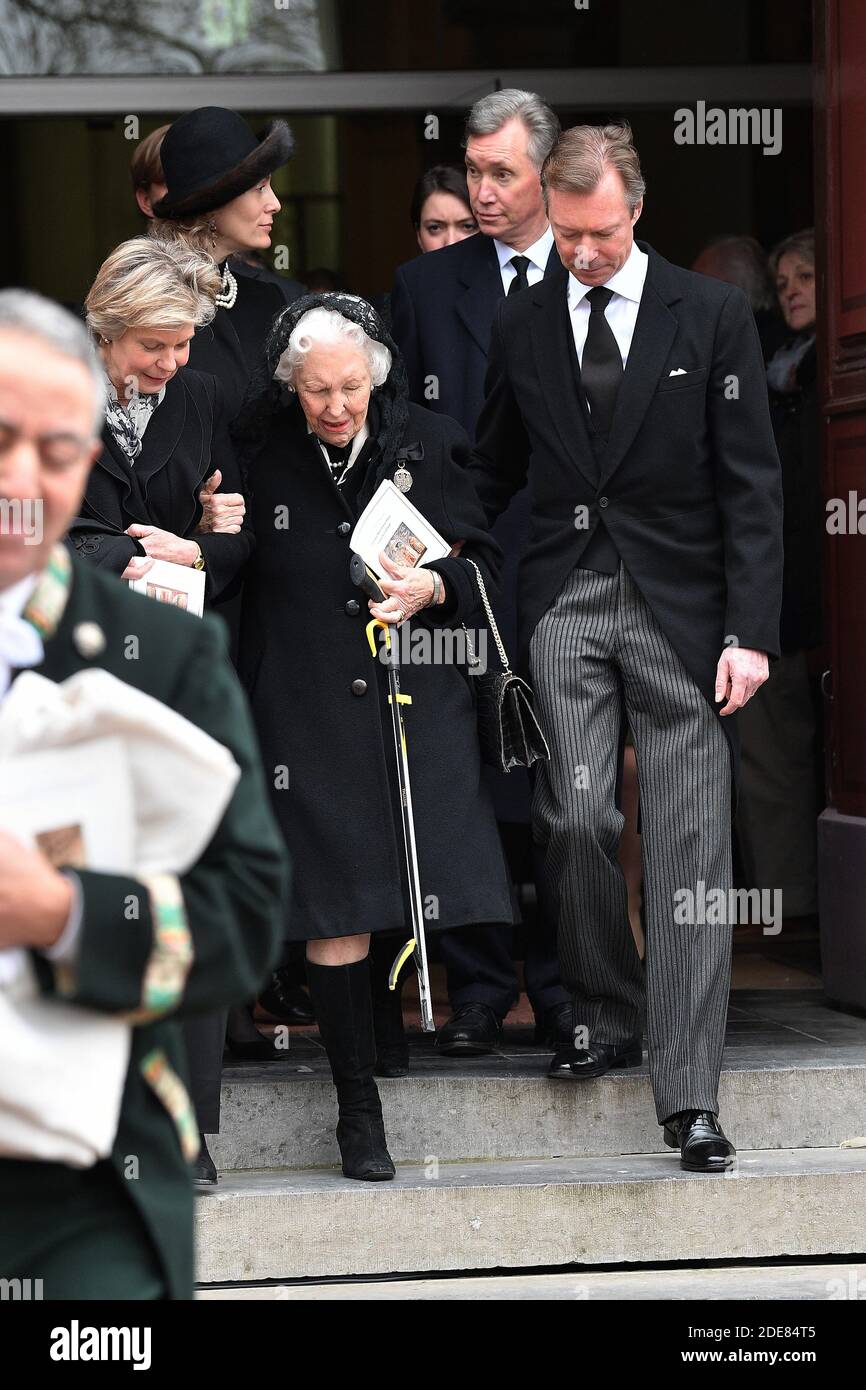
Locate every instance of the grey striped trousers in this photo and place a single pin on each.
(596, 654)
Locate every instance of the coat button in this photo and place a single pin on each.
(344, 528)
(602, 501)
(353, 607)
(89, 639)
(359, 687)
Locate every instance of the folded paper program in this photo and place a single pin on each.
(162, 786)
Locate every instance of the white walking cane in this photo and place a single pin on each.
(417, 946)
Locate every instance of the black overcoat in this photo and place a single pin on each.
(185, 441)
(319, 696)
(232, 346)
(795, 422)
(690, 487)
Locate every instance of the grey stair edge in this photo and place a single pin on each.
(237, 1075)
(593, 1169)
(793, 1204)
(743, 1282)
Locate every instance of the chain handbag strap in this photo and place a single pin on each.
(503, 657)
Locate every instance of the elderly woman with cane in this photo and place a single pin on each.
(332, 422)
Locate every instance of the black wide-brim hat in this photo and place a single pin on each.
(211, 156)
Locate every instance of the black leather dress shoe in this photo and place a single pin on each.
(555, 1028)
(265, 1050)
(204, 1173)
(244, 1041)
(472, 1030)
(703, 1147)
(583, 1063)
(285, 1001)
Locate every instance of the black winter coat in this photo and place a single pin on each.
(795, 423)
(185, 440)
(319, 697)
(232, 346)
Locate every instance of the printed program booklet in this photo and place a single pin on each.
(179, 585)
(391, 523)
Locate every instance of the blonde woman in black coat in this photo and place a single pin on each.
(336, 422)
(167, 485)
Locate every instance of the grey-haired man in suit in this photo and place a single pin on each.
(632, 395)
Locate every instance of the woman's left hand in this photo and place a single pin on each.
(407, 589)
(164, 545)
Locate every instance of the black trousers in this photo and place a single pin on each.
(478, 960)
(205, 1038)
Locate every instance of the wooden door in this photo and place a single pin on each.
(840, 50)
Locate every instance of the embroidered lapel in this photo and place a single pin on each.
(48, 601)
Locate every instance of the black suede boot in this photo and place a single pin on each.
(392, 1049)
(344, 1012)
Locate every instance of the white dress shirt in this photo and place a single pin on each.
(621, 312)
(536, 254)
(13, 601)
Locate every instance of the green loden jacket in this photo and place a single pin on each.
(199, 943)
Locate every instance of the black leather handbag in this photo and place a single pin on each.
(508, 730)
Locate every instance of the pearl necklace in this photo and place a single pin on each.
(229, 292)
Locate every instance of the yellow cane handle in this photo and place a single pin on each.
(374, 623)
(400, 961)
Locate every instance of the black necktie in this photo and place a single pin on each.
(601, 368)
(520, 281)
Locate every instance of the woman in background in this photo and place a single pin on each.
(440, 209)
(777, 814)
(440, 214)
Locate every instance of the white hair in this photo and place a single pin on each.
(321, 326)
(40, 318)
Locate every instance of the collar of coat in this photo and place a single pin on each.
(48, 601)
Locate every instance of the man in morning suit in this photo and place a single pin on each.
(632, 394)
(121, 1227)
(442, 309)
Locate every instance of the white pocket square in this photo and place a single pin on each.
(678, 371)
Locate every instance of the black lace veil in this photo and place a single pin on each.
(266, 396)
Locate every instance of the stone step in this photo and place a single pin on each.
(505, 1109)
(586, 1211)
(843, 1280)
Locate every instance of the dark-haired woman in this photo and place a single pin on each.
(440, 210)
